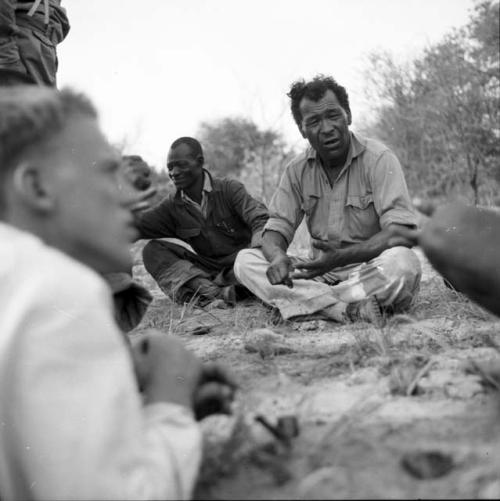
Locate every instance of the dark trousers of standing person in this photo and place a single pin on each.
(29, 35)
(182, 274)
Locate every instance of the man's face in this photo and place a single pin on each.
(325, 124)
(90, 218)
(184, 169)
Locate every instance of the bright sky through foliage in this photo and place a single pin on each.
(157, 68)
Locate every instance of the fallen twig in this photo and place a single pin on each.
(420, 374)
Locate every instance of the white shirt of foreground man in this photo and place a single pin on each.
(72, 422)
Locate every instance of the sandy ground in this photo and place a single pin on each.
(376, 408)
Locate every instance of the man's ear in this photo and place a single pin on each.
(302, 131)
(348, 116)
(30, 185)
(201, 160)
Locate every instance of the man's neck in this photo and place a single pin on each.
(333, 168)
(195, 191)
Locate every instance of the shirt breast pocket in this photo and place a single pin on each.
(361, 219)
(228, 226)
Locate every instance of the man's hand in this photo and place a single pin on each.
(279, 270)
(135, 186)
(329, 259)
(166, 371)
(141, 200)
(136, 200)
(215, 392)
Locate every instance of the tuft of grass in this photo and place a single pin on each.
(437, 300)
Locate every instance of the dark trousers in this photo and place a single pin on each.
(28, 43)
(173, 267)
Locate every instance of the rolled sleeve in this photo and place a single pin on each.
(391, 198)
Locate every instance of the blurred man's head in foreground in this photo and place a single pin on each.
(59, 176)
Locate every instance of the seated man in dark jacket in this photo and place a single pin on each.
(216, 217)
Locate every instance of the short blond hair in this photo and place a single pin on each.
(29, 117)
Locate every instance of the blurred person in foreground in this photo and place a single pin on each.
(197, 231)
(353, 195)
(131, 299)
(463, 244)
(74, 425)
(30, 31)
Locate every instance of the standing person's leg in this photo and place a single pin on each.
(10, 61)
(37, 35)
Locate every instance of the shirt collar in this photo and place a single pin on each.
(207, 186)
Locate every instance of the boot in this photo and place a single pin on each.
(204, 288)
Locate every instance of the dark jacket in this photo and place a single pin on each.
(234, 220)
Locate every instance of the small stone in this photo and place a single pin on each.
(427, 464)
(464, 390)
(216, 304)
(266, 343)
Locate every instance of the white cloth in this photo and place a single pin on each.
(72, 425)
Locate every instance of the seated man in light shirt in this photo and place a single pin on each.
(353, 195)
(73, 423)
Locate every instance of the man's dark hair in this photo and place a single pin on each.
(193, 144)
(29, 117)
(314, 90)
(137, 171)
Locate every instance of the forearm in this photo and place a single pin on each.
(153, 224)
(369, 249)
(273, 245)
(172, 454)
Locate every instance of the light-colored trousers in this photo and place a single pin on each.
(393, 278)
